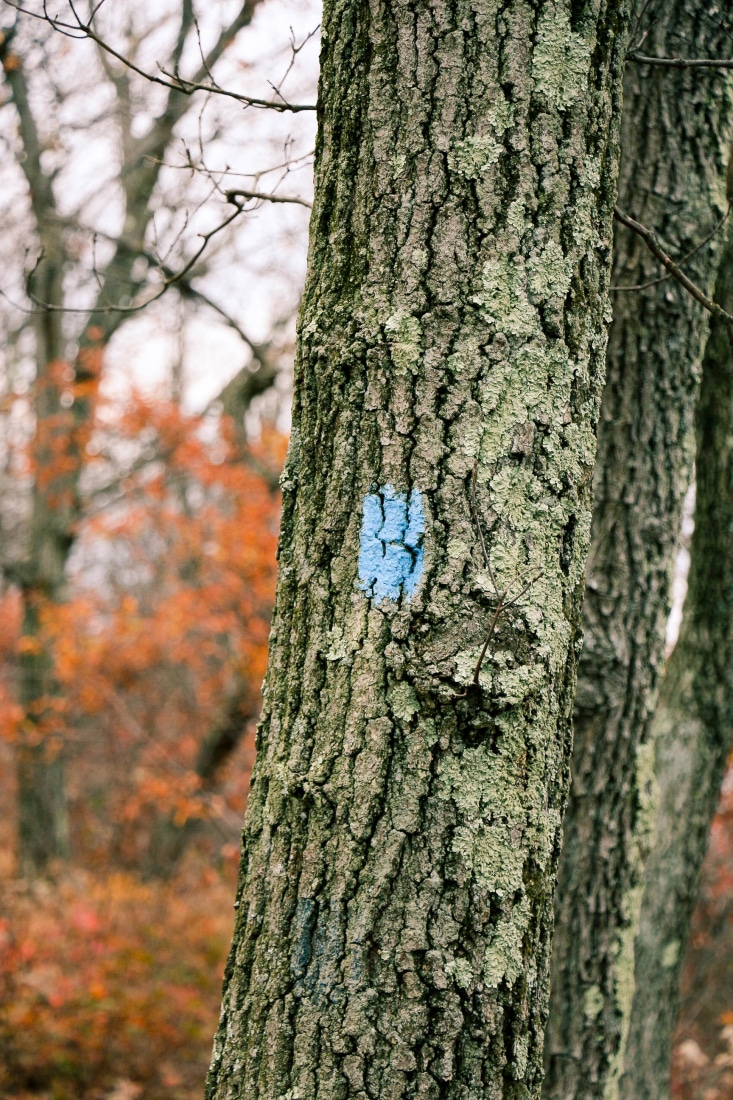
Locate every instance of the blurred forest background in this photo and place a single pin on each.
(153, 234)
(147, 316)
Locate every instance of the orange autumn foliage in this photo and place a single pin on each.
(110, 984)
(166, 623)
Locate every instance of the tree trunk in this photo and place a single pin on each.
(394, 909)
(672, 179)
(692, 726)
(43, 831)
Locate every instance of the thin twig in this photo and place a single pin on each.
(681, 62)
(175, 277)
(489, 636)
(502, 603)
(685, 258)
(235, 196)
(478, 524)
(674, 269)
(173, 81)
(633, 41)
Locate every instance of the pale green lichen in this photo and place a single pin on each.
(671, 954)
(521, 1057)
(509, 485)
(399, 160)
(488, 852)
(404, 333)
(592, 1002)
(590, 173)
(522, 381)
(403, 701)
(470, 441)
(516, 218)
(623, 983)
(534, 386)
(474, 155)
(648, 796)
(485, 582)
(549, 272)
(503, 298)
(511, 288)
(465, 668)
(504, 955)
(529, 395)
(457, 549)
(503, 820)
(338, 648)
(507, 561)
(461, 971)
(560, 59)
(516, 684)
(501, 116)
(481, 782)
(584, 228)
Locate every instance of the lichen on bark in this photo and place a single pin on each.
(394, 905)
(691, 728)
(674, 150)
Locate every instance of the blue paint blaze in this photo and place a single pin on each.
(391, 557)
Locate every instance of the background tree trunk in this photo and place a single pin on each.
(672, 179)
(69, 364)
(394, 908)
(692, 726)
(170, 838)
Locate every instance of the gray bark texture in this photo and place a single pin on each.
(672, 179)
(692, 726)
(394, 908)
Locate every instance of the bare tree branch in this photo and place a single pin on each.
(143, 160)
(101, 309)
(688, 256)
(681, 62)
(674, 269)
(173, 81)
(187, 21)
(42, 197)
(260, 196)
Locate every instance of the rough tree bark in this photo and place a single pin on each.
(394, 908)
(673, 178)
(692, 726)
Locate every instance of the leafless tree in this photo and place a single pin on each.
(137, 175)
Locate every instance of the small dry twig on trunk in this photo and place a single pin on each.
(502, 603)
(674, 269)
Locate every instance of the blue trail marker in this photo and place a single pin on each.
(391, 558)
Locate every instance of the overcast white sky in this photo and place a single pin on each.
(267, 279)
(257, 277)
